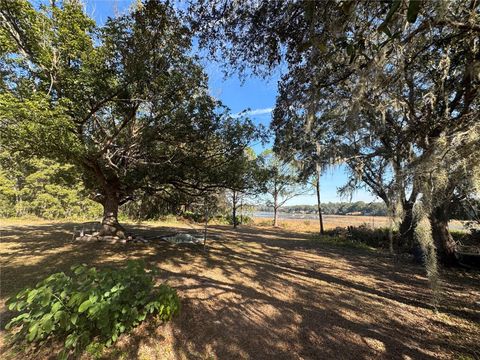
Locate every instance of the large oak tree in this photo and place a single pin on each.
(125, 102)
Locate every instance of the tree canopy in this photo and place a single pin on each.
(125, 102)
(388, 88)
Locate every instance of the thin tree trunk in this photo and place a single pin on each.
(241, 211)
(275, 209)
(18, 198)
(319, 204)
(441, 236)
(206, 224)
(234, 209)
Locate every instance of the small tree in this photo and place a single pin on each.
(282, 182)
(247, 180)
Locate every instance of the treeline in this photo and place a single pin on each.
(44, 188)
(334, 208)
(32, 186)
(460, 211)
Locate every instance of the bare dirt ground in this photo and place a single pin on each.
(264, 293)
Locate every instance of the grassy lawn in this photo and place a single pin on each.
(263, 293)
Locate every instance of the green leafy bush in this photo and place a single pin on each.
(340, 241)
(241, 220)
(90, 306)
(193, 216)
(377, 238)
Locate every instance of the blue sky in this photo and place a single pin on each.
(253, 93)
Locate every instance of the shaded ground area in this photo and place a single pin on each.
(264, 293)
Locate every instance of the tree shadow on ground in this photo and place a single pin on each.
(262, 293)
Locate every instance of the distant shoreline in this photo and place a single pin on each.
(333, 221)
(300, 216)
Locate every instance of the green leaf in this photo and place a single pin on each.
(413, 9)
(46, 298)
(48, 326)
(71, 340)
(84, 306)
(75, 299)
(31, 296)
(94, 309)
(59, 315)
(74, 318)
(17, 319)
(21, 305)
(32, 331)
(12, 306)
(56, 306)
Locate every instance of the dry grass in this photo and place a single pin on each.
(333, 221)
(264, 293)
(329, 222)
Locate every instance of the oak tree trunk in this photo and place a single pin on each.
(110, 225)
(406, 239)
(234, 209)
(407, 227)
(441, 236)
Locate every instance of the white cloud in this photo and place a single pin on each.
(254, 112)
(260, 111)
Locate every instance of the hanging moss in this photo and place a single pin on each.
(423, 234)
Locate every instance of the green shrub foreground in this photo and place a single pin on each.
(90, 306)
